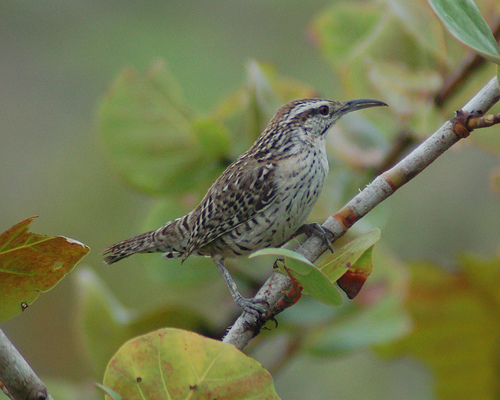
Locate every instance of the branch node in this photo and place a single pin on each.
(460, 124)
(346, 217)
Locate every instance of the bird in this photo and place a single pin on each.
(261, 200)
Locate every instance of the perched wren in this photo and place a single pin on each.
(261, 200)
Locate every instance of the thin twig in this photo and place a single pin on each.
(382, 187)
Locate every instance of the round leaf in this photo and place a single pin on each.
(175, 364)
(151, 136)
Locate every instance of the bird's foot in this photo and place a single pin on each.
(319, 231)
(256, 307)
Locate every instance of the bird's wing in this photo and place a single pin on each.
(243, 191)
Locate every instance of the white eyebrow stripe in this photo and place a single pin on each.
(300, 108)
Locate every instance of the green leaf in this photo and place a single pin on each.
(314, 281)
(401, 86)
(464, 21)
(100, 318)
(264, 100)
(31, 264)
(355, 36)
(175, 364)
(456, 331)
(282, 252)
(361, 328)
(105, 324)
(154, 139)
(378, 315)
(356, 257)
(109, 392)
(64, 389)
(418, 20)
(249, 109)
(345, 29)
(212, 136)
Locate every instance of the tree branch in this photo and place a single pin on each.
(18, 379)
(381, 187)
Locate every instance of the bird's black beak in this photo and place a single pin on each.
(354, 105)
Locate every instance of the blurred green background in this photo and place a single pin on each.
(57, 59)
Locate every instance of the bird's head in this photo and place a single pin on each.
(306, 120)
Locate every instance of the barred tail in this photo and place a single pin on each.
(170, 239)
(143, 243)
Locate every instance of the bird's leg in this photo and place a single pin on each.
(253, 306)
(316, 230)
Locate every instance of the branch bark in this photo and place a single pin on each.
(17, 376)
(381, 187)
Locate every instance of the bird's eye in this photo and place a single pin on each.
(324, 110)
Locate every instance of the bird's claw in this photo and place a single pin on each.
(318, 230)
(256, 307)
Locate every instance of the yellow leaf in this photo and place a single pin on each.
(175, 364)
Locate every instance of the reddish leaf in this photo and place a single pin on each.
(351, 283)
(354, 279)
(30, 264)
